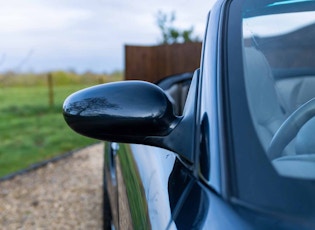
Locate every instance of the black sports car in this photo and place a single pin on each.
(231, 146)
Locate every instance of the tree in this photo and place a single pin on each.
(171, 34)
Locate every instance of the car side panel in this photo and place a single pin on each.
(110, 185)
(151, 184)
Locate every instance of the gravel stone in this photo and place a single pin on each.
(66, 194)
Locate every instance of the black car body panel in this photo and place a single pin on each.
(238, 151)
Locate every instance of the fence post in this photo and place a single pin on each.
(50, 90)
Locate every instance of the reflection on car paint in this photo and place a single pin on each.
(155, 180)
(134, 188)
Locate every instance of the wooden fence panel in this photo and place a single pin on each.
(152, 63)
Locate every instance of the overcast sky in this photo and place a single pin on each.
(37, 35)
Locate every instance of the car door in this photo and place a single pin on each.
(148, 181)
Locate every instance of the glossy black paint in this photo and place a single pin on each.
(133, 112)
(212, 164)
(203, 184)
(110, 178)
(119, 110)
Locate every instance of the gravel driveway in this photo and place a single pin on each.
(66, 194)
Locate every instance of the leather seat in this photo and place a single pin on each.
(263, 101)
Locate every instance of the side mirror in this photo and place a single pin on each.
(134, 112)
(127, 111)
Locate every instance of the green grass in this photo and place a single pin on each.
(30, 129)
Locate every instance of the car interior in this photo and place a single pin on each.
(279, 75)
(176, 88)
(275, 100)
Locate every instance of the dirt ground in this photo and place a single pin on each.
(66, 194)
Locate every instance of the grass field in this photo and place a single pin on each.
(30, 129)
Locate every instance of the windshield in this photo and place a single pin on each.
(278, 52)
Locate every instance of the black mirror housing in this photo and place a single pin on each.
(125, 111)
(134, 112)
